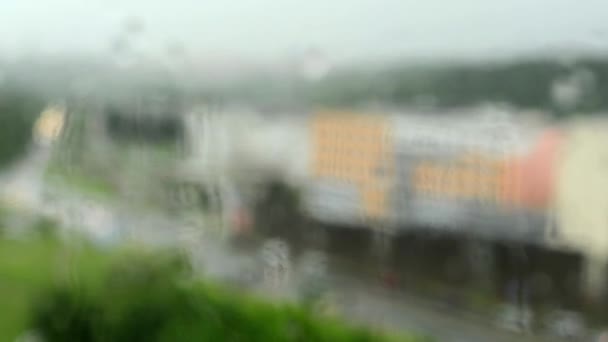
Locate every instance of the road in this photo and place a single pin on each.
(108, 223)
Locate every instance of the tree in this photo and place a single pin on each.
(18, 112)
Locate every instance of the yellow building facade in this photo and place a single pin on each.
(356, 149)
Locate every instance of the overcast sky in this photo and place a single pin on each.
(344, 29)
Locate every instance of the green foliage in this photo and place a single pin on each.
(18, 111)
(522, 83)
(150, 298)
(29, 265)
(46, 228)
(64, 316)
(76, 178)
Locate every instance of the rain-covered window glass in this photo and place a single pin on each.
(322, 170)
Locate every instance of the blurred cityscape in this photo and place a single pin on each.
(461, 201)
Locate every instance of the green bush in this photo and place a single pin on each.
(152, 298)
(46, 228)
(63, 315)
(33, 263)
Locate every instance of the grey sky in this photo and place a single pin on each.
(345, 29)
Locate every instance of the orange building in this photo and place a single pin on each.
(356, 149)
